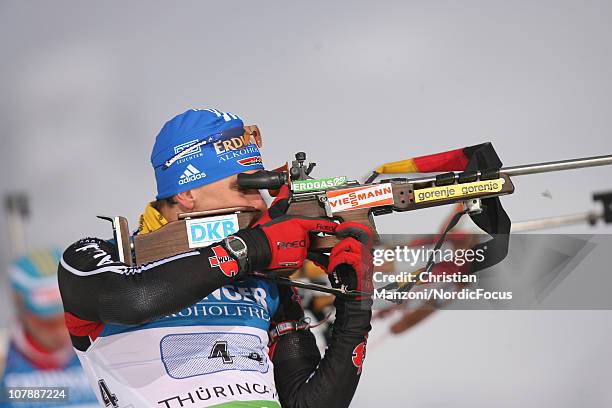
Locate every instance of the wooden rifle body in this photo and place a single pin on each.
(172, 238)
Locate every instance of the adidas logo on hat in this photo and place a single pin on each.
(190, 174)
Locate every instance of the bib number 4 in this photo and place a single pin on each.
(219, 350)
(108, 398)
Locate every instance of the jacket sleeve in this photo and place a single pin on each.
(304, 380)
(95, 287)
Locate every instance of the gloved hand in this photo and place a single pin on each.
(289, 236)
(278, 207)
(289, 239)
(285, 239)
(351, 259)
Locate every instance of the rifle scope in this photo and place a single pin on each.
(262, 180)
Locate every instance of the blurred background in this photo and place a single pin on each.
(86, 86)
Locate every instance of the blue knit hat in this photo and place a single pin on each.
(201, 146)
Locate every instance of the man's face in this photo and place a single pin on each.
(226, 193)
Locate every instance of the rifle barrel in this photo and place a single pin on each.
(558, 165)
(536, 168)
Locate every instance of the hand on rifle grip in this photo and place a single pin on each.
(278, 207)
(288, 238)
(350, 261)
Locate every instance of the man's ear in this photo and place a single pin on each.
(186, 199)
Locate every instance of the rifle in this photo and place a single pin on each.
(336, 198)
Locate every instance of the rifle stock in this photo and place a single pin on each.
(173, 239)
